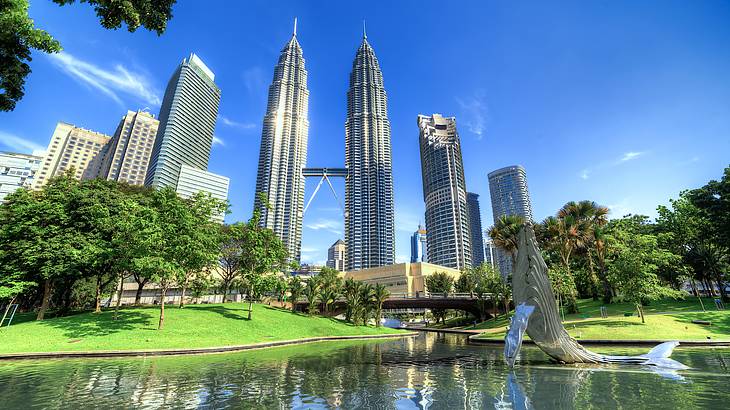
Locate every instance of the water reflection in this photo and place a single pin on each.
(432, 371)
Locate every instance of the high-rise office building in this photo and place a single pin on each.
(369, 212)
(490, 253)
(283, 151)
(129, 150)
(444, 192)
(510, 196)
(72, 147)
(419, 245)
(193, 180)
(336, 255)
(17, 171)
(187, 119)
(475, 229)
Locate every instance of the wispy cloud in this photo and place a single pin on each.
(329, 225)
(112, 82)
(474, 112)
(620, 209)
(631, 155)
(407, 221)
(230, 123)
(218, 141)
(627, 156)
(402, 258)
(309, 249)
(20, 144)
(254, 79)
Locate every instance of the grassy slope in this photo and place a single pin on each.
(193, 326)
(665, 320)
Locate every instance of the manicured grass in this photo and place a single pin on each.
(665, 320)
(192, 327)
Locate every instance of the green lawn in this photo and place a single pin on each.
(192, 327)
(665, 320)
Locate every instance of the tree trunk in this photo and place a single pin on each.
(721, 288)
(641, 312)
(182, 294)
(46, 299)
(138, 295)
(97, 308)
(225, 292)
(120, 290)
(163, 291)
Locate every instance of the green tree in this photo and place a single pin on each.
(351, 293)
(311, 292)
(439, 283)
(330, 287)
(231, 253)
(637, 261)
(380, 294)
(504, 234)
(296, 290)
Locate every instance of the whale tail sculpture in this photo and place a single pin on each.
(537, 314)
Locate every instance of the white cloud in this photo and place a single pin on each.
(631, 155)
(585, 174)
(112, 82)
(20, 144)
(230, 123)
(474, 113)
(330, 225)
(620, 209)
(253, 79)
(402, 258)
(218, 141)
(309, 249)
(407, 221)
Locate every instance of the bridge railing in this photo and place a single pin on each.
(429, 295)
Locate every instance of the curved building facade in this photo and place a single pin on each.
(369, 214)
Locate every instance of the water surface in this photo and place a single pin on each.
(434, 371)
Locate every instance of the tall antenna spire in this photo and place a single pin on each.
(364, 32)
(295, 26)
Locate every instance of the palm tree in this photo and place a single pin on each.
(295, 291)
(311, 292)
(351, 292)
(504, 234)
(380, 294)
(330, 287)
(364, 305)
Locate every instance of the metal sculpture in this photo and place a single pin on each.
(537, 314)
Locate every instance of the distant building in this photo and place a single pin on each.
(370, 213)
(444, 192)
(129, 151)
(336, 256)
(418, 245)
(510, 196)
(17, 171)
(188, 115)
(475, 229)
(193, 180)
(401, 277)
(72, 147)
(490, 253)
(283, 151)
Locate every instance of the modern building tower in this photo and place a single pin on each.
(336, 256)
(17, 171)
(128, 155)
(508, 190)
(490, 253)
(419, 245)
(283, 151)
(187, 120)
(475, 229)
(72, 148)
(369, 210)
(444, 192)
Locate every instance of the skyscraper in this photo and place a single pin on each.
(369, 215)
(193, 180)
(490, 253)
(475, 229)
(128, 155)
(508, 190)
(283, 151)
(17, 171)
(418, 245)
(72, 147)
(187, 120)
(336, 255)
(444, 192)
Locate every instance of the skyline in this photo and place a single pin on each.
(662, 114)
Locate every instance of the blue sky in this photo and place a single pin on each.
(624, 103)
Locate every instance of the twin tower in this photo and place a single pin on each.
(369, 209)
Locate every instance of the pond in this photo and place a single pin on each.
(435, 371)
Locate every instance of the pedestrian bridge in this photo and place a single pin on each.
(458, 301)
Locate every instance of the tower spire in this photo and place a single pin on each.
(364, 32)
(295, 26)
